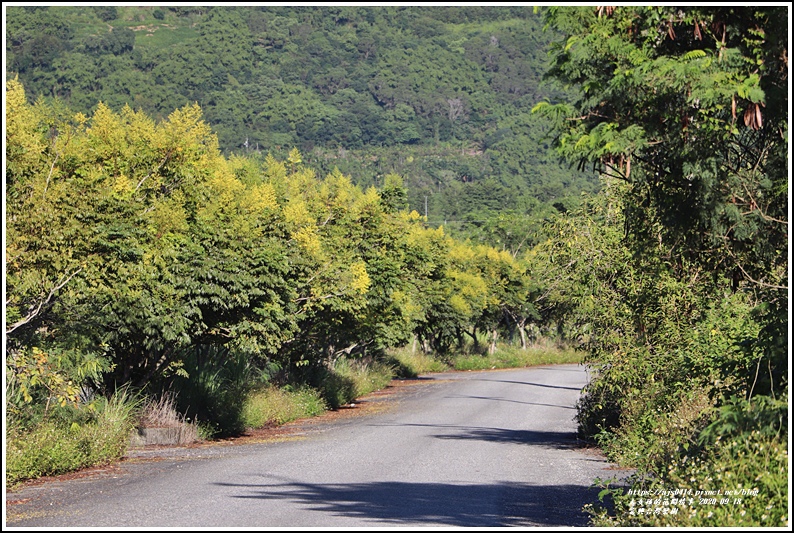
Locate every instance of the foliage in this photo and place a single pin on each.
(277, 406)
(741, 471)
(210, 389)
(439, 95)
(140, 255)
(55, 447)
(678, 271)
(702, 177)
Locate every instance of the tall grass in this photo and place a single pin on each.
(56, 447)
(348, 379)
(515, 357)
(161, 412)
(409, 363)
(213, 389)
(277, 406)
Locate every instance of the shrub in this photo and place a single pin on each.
(738, 464)
(272, 405)
(211, 388)
(344, 380)
(57, 447)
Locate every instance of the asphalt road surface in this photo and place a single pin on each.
(467, 449)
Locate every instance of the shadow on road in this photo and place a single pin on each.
(550, 439)
(561, 440)
(511, 401)
(532, 384)
(400, 503)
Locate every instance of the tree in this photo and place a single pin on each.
(684, 111)
(689, 108)
(135, 240)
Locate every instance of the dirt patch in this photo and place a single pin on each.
(90, 472)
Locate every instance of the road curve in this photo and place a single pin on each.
(466, 449)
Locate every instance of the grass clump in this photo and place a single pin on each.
(347, 379)
(514, 357)
(275, 406)
(408, 363)
(55, 446)
(162, 412)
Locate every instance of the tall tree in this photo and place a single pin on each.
(689, 108)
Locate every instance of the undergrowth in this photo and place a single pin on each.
(57, 446)
(217, 402)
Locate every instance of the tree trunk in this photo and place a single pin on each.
(461, 339)
(521, 324)
(494, 336)
(473, 335)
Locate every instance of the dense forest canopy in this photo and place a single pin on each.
(438, 94)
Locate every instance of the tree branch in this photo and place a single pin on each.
(160, 166)
(42, 304)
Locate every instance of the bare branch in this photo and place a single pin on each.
(42, 304)
(160, 166)
(47, 183)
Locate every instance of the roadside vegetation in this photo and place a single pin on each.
(97, 433)
(157, 259)
(680, 265)
(141, 259)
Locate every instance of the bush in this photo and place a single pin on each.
(408, 363)
(57, 447)
(347, 379)
(211, 388)
(275, 406)
(744, 477)
(106, 13)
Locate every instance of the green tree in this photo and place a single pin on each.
(689, 107)
(685, 108)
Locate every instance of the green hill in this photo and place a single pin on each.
(440, 95)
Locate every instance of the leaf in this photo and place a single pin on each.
(692, 54)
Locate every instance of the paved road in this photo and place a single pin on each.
(470, 449)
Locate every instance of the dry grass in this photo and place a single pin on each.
(161, 413)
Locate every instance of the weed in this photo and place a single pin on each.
(57, 447)
(272, 405)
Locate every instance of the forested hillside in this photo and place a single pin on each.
(440, 95)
